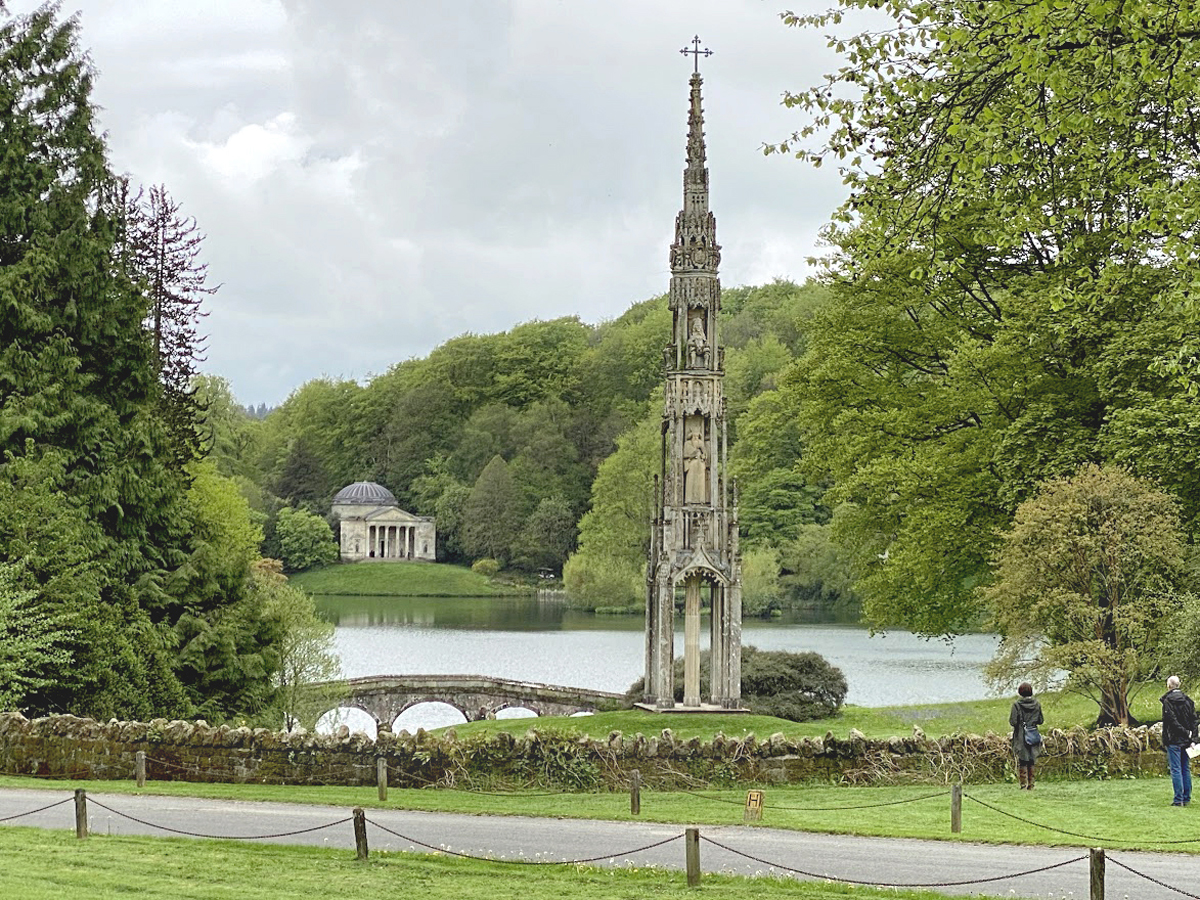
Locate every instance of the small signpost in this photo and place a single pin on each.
(754, 806)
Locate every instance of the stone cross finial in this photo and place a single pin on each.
(697, 52)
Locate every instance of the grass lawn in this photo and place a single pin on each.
(401, 579)
(49, 865)
(1124, 813)
(974, 717)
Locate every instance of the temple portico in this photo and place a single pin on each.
(373, 526)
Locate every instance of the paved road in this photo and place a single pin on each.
(722, 848)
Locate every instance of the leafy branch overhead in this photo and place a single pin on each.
(1068, 126)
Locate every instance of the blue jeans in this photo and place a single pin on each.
(1181, 772)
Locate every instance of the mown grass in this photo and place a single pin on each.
(407, 579)
(1121, 813)
(1062, 710)
(47, 865)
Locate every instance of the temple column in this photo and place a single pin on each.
(691, 642)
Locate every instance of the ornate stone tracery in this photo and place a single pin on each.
(694, 543)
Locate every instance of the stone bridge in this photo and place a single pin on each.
(384, 697)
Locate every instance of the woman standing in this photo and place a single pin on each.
(1026, 712)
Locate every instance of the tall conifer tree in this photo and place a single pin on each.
(77, 375)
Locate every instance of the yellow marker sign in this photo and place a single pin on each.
(754, 806)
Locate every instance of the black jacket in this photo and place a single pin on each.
(1179, 719)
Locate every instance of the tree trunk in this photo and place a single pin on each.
(1114, 706)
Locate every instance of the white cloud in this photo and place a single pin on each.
(379, 176)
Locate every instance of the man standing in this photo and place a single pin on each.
(1178, 733)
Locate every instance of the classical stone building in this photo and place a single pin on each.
(694, 544)
(373, 526)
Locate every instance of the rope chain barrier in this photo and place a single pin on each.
(886, 884)
(1150, 878)
(525, 862)
(1086, 837)
(229, 837)
(38, 810)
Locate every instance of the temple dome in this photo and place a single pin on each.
(365, 493)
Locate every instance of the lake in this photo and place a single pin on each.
(527, 640)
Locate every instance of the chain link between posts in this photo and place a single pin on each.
(1150, 878)
(924, 884)
(526, 862)
(1086, 837)
(38, 810)
(229, 837)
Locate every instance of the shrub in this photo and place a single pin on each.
(795, 686)
(486, 567)
(305, 540)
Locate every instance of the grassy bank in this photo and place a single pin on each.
(402, 579)
(44, 865)
(974, 717)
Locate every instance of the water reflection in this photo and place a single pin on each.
(523, 639)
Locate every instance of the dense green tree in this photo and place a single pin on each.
(1013, 269)
(1085, 578)
(775, 497)
(614, 535)
(33, 645)
(549, 534)
(78, 379)
(451, 513)
(305, 540)
(1067, 125)
(492, 513)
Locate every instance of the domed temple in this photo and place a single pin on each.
(373, 526)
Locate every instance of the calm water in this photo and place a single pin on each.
(522, 639)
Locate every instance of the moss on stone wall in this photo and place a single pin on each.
(70, 747)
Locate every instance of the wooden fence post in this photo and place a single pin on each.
(81, 828)
(1096, 885)
(956, 809)
(381, 775)
(139, 768)
(360, 833)
(635, 793)
(692, 842)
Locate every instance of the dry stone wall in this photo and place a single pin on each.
(70, 747)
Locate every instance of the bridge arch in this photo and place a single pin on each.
(386, 697)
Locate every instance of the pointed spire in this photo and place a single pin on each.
(695, 244)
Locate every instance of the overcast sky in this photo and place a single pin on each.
(377, 176)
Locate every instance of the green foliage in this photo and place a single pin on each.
(775, 497)
(1067, 121)
(1010, 271)
(614, 536)
(487, 567)
(793, 686)
(1181, 646)
(305, 540)
(303, 659)
(760, 581)
(812, 570)
(1085, 579)
(32, 644)
(492, 512)
(549, 534)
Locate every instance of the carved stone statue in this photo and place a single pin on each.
(695, 470)
(697, 345)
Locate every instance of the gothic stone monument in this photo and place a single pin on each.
(694, 545)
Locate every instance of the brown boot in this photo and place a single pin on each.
(1021, 770)
(1029, 778)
